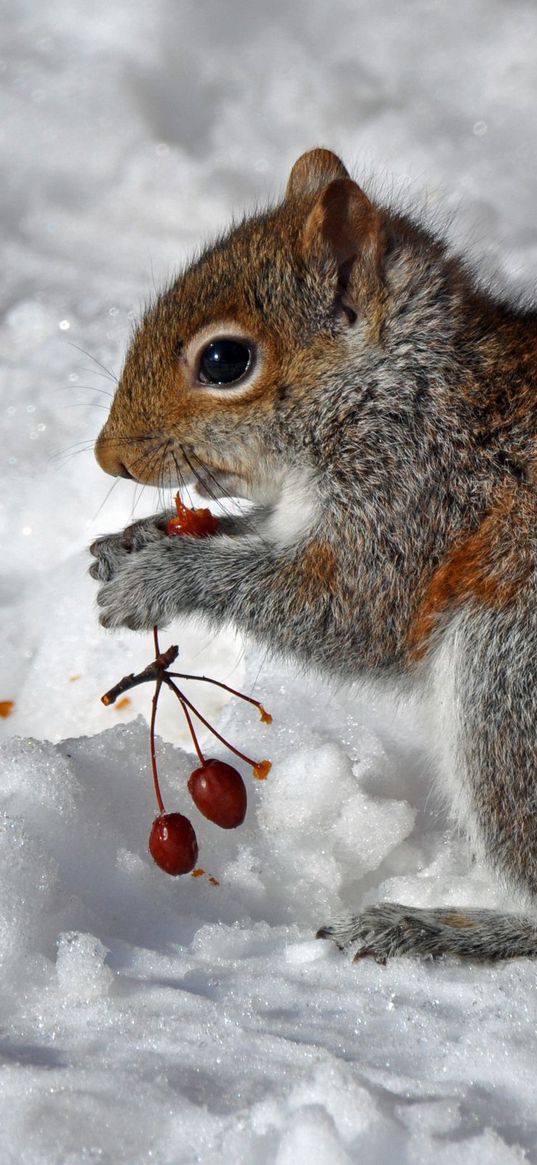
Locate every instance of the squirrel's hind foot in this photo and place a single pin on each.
(390, 930)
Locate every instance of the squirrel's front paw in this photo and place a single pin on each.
(127, 564)
(134, 596)
(113, 550)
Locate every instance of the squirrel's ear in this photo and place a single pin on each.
(312, 172)
(345, 228)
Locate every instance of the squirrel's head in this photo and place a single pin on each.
(230, 369)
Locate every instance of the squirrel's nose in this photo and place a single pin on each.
(122, 471)
(107, 455)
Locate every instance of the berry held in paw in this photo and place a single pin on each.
(198, 523)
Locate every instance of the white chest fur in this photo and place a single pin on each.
(295, 509)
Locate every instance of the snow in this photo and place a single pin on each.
(151, 1019)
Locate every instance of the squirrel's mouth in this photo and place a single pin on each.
(218, 483)
(212, 481)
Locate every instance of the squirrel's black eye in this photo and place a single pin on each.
(224, 362)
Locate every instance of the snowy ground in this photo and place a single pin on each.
(148, 1019)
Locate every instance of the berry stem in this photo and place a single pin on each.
(218, 683)
(154, 703)
(180, 696)
(191, 727)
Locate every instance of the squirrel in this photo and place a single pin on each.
(332, 361)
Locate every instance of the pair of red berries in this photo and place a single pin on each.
(219, 792)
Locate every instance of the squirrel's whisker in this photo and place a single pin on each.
(106, 371)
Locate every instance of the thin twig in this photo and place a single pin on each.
(152, 672)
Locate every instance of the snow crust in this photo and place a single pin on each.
(150, 1019)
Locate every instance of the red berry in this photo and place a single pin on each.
(199, 523)
(172, 843)
(219, 792)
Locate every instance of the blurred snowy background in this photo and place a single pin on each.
(144, 1018)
